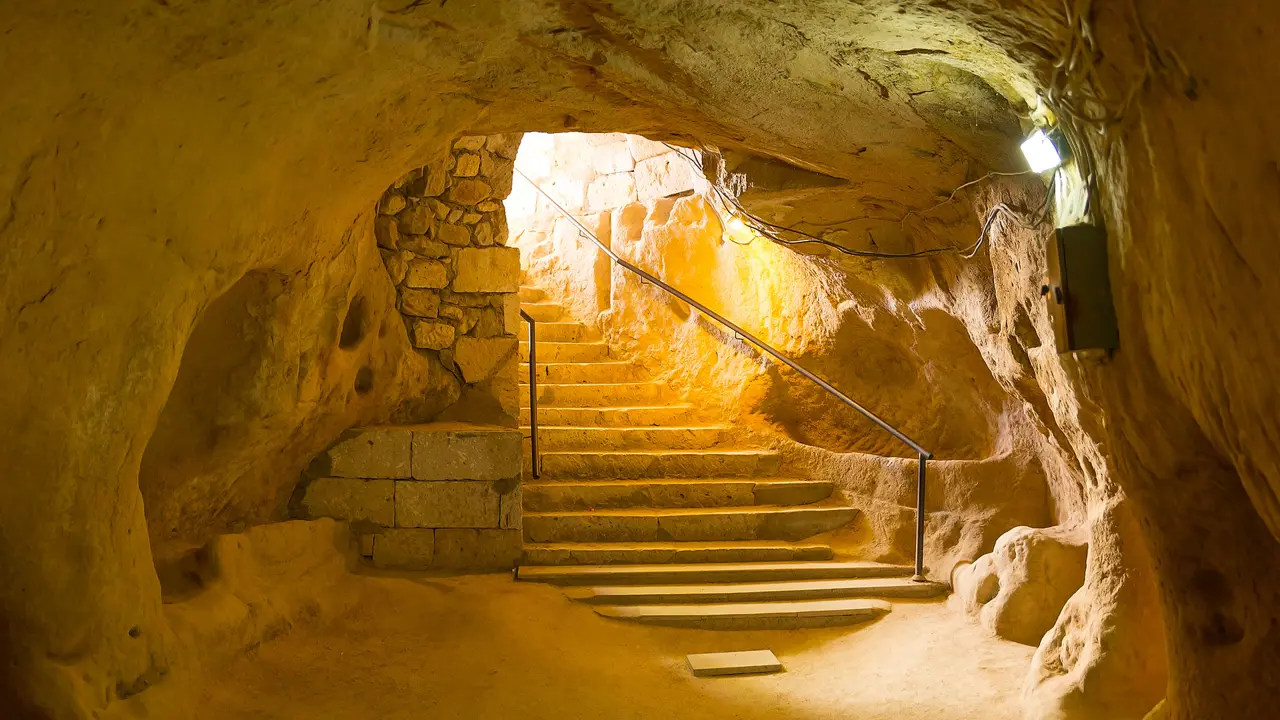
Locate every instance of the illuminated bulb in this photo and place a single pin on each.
(736, 226)
(1041, 153)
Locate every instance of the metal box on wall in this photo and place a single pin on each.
(1078, 290)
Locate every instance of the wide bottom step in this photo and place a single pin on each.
(757, 592)
(752, 616)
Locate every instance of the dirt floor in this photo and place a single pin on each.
(486, 647)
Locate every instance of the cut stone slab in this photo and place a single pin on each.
(659, 464)
(706, 572)
(752, 616)
(478, 358)
(729, 551)
(449, 504)
(461, 451)
(746, 662)
(467, 549)
(487, 270)
(566, 352)
(430, 335)
(611, 416)
(567, 373)
(716, 523)
(671, 492)
(373, 452)
(351, 499)
(411, 549)
(758, 592)
(598, 394)
(560, 437)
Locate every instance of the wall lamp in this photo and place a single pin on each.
(1045, 150)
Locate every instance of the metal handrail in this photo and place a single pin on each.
(533, 392)
(924, 455)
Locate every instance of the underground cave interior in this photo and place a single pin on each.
(268, 423)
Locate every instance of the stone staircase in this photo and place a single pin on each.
(650, 514)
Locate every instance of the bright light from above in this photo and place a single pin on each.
(1041, 153)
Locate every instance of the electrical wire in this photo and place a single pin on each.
(772, 231)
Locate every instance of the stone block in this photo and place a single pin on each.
(447, 504)
(423, 246)
(458, 235)
(374, 452)
(470, 142)
(505, 144)
(470, 191)
(471, 218)
(613, 157)
(397, 264)
(611, 191)
(457, 451)
(491, 550)
(429, 335)
(433, 180)
(484, 234)
(404, 549)
(643, 148)
(425, 273)
(492, 269)
(387, 232)
(416, 219)
(489, 324)
(511, 320)
(351, 499)
(663, 176)
(468, 165)
(419, 303)
(366, 545)
(509, 510)
(477, 358)
(391, 203)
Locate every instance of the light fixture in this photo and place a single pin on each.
(1042, 152)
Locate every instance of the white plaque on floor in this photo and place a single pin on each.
(748, 662)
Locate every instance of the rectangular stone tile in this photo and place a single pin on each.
(351, 499)
(448, 504)
(733, 663)
(373, 452)
(477, 549)
(411, 549)
(456, 451)
(509, 510)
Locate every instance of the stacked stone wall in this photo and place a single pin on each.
(442, 231)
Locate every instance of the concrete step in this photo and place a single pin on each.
(556, 352)
(729, 551)
(752, 616)
(586, 465)
(597, 395)
(670, 493)
(559, 437)
(783, 591)
(544, 311)
(562, 373)
(530, 294)
(761, 522)
(707, 572)
(608, 416)
(565, 332)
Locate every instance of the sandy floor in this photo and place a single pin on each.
(484, 647)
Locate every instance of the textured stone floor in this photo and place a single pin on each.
(485, 647)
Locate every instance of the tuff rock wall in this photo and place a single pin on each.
(189, 215)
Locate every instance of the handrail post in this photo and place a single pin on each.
(533, 393)
(920, 489)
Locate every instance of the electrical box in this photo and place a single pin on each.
(1078, 290)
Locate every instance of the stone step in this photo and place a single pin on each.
(671, 493)
(597, 395)
(543, 312)
(586, 465)
(563, 373)
(607, 416)
(565, 332)
(761, 522)
(782, 591)
(560, 437)
(730, 551)
(706, 572)
(752, 616)
(555, 352)
(530, 294)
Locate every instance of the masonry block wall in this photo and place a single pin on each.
(435, 496)
(442, 231)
